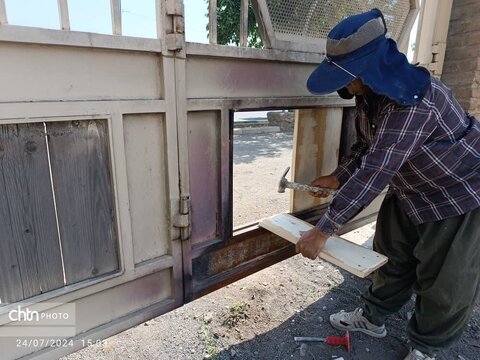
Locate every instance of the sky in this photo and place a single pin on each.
(138, 16)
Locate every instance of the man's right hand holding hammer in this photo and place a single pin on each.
(312, 241)
(329, 182)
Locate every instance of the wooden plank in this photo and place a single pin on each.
(349, 256)
(315, 151)
(10, 281)
(83, 190)
(30, 251)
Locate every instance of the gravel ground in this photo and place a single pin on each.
(257, 317)
(258, 164)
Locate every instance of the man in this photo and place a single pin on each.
(413, 136)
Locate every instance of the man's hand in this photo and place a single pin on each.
(311, 243)
(330, 182)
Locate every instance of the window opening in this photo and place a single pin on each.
(262, 149)
(138, 18)
(90, 16)
(34, 13)
(196, 21)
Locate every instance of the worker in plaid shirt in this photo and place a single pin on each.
(413, 137)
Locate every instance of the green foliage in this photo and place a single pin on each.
(228, 24)
(209, 342)
(238, 312)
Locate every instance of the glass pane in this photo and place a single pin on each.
(35, 13)
(90, 16)
(138, 18)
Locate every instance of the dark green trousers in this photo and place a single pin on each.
(439, 261)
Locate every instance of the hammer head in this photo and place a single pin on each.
(283, 181)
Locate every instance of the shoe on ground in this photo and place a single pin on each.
(355, 321)
(415, 354)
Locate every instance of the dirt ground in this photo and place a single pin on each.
(258, 317)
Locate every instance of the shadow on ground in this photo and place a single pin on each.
(248, 147)
(313, 321)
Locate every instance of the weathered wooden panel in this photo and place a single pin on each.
(146, 158)
(83, 188)
(30, 260)
(204, 166)
(315, 151)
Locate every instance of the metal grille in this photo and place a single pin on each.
(315, 18)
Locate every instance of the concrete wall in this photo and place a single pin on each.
(461, 71)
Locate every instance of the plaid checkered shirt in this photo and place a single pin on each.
(428, 154)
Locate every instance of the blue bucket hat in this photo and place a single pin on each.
(358, 47)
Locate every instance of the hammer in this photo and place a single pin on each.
(284, 183)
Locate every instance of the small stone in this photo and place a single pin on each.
(460, 357)
(192, 351)
(331, 299)
(281, 269)
(324, 308)
(320, 267)
(207, 318)
(146, 324)
(367, 350)
(409, 315)
(320, 319)
(233, 352)
(265, 284)
(303, 350)
(207, 356)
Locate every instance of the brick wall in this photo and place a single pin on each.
(461, 70)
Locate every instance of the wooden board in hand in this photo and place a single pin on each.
(354, 258)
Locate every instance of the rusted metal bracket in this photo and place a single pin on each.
(182, 220)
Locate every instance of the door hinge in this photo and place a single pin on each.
(182, 220)
(175, 39)
(174, 42)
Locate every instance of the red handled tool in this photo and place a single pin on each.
(330, 340)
